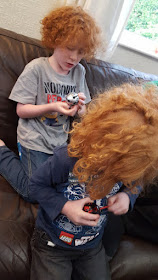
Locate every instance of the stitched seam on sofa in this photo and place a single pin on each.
(119, 70)
(23, 41)
(15, 221)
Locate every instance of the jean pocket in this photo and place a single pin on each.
(41, 238)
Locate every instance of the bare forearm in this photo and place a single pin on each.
(32, 111)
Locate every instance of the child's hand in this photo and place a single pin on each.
(64, 108)
(119, 203)
(73, 209)
(81, 104)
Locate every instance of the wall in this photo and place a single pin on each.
(24, 17)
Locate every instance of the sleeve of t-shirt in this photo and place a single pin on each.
(42, 187)
(25, 88)
(83, 85)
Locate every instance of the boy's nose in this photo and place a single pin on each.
(74, 55)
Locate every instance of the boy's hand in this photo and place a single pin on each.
(73, 209)
(64, 108)
(81, 104)
(119, 203)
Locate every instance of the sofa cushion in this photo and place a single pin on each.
(17, 219)
(143, 220)
(135, 260)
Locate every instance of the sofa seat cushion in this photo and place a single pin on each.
(135, 259)
(16, 228)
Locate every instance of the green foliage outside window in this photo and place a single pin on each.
(144, 19)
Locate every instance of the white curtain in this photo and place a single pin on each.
(111, 16)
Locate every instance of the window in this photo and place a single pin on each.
(141, 31)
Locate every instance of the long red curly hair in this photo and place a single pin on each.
(117, 140)
(69, 26)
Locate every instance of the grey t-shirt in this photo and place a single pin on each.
(40, 84)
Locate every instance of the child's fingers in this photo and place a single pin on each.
(81, 103)
(81, 96)
(86, 200)
(90, 223)
(111, 200)
(72, 111)
(90, 219)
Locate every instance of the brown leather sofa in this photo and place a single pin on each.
(137, 255)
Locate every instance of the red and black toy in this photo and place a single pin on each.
(93, 208)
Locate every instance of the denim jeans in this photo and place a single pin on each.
(17, 170)
(57, 263)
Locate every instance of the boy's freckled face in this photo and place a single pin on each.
(64, 59)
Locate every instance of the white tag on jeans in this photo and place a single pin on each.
(49, 243)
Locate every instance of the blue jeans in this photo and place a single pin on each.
(57, 263)
(17, 171)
